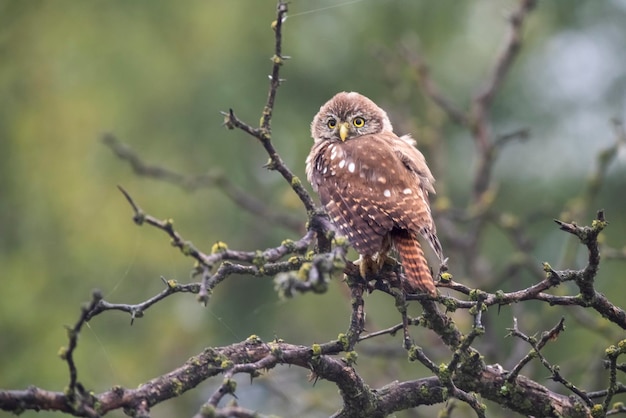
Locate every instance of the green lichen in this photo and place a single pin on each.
(187, 248)
(254, 339)
(219, 247)
(275, 349)
(450, 305)
(413, 353)
(288, 243)
(294, 261)
(259, 259)
(444, 393)
(226, 364)
(597, 411)
(598, 225)
(208, 411)
(473, 310)
(230, 385)
(444, 372)
(475, 294)
(317, 350)
(351, 358)
(343, 340)
(177, 387)
(97, 405)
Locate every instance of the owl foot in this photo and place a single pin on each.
(370, 268)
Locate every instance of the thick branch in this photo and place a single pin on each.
(254, 356)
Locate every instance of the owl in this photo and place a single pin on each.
(374, 185)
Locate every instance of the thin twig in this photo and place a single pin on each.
(429, 87)
(264, 133)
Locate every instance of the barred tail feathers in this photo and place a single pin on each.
(418, 278)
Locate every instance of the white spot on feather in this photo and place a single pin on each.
(351, 167)
(387, 193)
(342, 163)
(407, 191)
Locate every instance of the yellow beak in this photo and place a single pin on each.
(343, 131)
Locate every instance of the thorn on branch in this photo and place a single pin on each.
(228, 119)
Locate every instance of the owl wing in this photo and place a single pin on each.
(415, 163)
(392, 181)
(332, 171)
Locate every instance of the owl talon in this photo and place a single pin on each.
(369, 266)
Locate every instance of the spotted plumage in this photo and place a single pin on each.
(374, 186)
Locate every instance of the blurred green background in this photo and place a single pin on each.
(156, 74)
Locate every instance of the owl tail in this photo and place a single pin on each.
(418, 278)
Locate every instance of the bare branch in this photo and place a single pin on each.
(430, 88)
(76, 392)
(264, 133)
(510, 49)
(483, 99)
(214, 178)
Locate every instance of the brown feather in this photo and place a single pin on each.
(418, 278)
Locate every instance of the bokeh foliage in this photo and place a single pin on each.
(157, 73)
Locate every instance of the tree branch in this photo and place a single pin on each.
(214, 178)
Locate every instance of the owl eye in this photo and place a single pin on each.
(358, 122)
(332, 123)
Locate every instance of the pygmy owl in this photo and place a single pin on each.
(374, 186)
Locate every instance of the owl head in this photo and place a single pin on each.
(348, 115)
